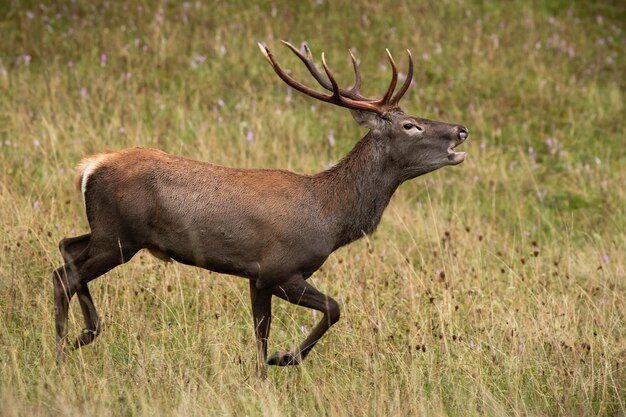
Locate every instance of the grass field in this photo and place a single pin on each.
(497, 287)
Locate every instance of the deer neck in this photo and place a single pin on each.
(356, 191)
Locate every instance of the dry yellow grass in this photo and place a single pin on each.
(493, 288)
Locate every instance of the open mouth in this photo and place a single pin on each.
(456, 157)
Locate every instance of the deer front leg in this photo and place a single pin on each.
(261, 320)
(298, 291)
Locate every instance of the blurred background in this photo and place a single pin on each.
(496, 287)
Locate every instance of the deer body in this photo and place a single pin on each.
(273, 227)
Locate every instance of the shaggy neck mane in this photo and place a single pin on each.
(356, 191)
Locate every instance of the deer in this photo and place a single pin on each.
(273, 227)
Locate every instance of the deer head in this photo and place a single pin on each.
(414, 145)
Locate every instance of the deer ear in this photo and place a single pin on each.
(366, 119)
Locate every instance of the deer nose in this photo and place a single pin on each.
(463, 133)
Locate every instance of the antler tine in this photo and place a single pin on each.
(394, 79)
(407, 82)
(310, 65)
(336, 91)
(335, 98)
(340, 98)
(288, 79)
(357, 75)
(352, 92)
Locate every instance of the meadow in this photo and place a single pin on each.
(492, 288)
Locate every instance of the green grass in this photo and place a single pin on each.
(497, 287)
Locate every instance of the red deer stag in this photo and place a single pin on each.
(272, 227)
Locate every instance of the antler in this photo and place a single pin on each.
(350, 98)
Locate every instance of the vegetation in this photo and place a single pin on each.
(497, 287)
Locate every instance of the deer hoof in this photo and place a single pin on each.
(283, 359)
(84, 338)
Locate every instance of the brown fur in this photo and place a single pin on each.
(272, 227)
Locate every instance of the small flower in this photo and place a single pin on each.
(70, 64)
(249, 136)
(222, 50)
(30, 15)
(471, 344)
(103, 59)
(36, 143)
(220, 103)
(159, 18)
(26, 58)
(331, 138)
(483, 146)
(553, 145)
(304, 329)
(197, 60)
(36, 204)
(605, 258)
(84, 94)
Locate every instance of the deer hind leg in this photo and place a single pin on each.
(71, 250)
(72, 247)
(72, 278)
(298, 291)
(92, 322)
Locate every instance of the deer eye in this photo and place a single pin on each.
(408, 126)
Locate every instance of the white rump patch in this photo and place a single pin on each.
(87, 167)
